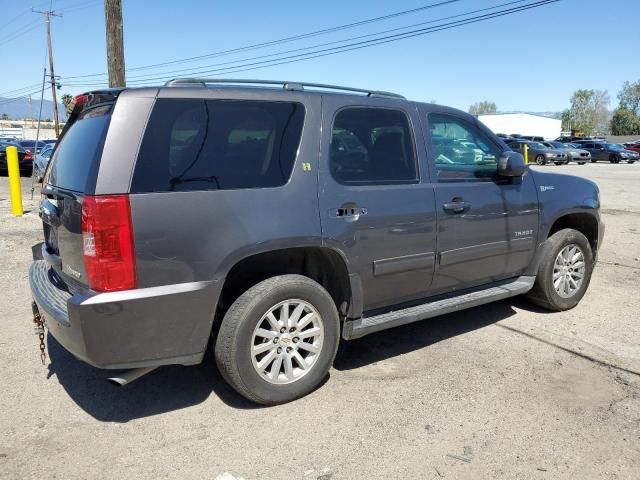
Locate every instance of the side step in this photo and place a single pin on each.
(364, 326)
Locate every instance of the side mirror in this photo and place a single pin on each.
(511, 164)
(602, 149)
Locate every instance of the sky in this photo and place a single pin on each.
(528, 61)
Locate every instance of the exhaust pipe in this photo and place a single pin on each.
(129, 376)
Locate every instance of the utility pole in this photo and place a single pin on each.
(115, 42)
(47, 19)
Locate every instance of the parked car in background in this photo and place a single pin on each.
(613, 152)
(50, 141)
(533, 137)
(634, 147)
(574, 154)
(539, 153)
(31, 146)
(24, 160)
(41, 161)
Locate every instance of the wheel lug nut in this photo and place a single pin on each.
(279, 349)
(289, 349)
(282, 330)
(275, 340)
(292, 329)
(296, 339)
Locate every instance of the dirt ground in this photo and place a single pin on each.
(500, 391)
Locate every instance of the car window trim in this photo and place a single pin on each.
(492, 178)
(414, 144)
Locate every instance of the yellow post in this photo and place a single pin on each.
(14, 181)
(526, 154)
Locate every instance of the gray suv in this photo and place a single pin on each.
(271, 219)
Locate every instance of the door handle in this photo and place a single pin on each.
(456, 206)
(350, 213)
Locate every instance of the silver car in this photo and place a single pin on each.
(574, 153)
(539, 153)
(41, 161)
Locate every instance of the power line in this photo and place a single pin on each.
(139, 78)
(279, 41)
(21, 97)
(355, 45)
(18, 91)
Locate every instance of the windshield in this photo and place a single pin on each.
(557, 145)
(78, 153)
(537, 146)
(615, 146)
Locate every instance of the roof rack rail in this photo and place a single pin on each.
(287, 85)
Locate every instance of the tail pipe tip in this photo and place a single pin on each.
(129, 376)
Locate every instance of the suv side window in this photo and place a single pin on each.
(462, 151)
(372, 146)
(196, 144)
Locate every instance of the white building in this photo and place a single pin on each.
(523, 124)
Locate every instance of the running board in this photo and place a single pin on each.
(364, 326)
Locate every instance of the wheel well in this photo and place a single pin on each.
(322, 265)
(583, 222)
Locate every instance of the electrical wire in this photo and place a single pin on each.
(351, 46)
(133, 79)
(279, 41)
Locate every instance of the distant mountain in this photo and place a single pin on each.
(19, 108)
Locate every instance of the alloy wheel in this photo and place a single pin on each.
(569, 270)
(287, 341)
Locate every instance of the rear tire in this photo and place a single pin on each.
(266, 352)
(631, 161)
(614, 159)
(582, 163)
(565, 271)
(559, 163)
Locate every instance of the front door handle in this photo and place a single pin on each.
(456, 206)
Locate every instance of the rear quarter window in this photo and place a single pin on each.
(75, 162)
(197, 144)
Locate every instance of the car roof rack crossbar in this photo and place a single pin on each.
(287, 85)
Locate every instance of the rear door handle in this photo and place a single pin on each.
(350, 213)
(456, 207)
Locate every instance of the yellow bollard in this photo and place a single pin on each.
(526, 154)
(14, 181)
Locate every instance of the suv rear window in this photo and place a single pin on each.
(196, 144)
(75, 162)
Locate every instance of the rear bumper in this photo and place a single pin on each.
(135, 328)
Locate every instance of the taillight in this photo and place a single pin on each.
(107, 243)
(28, 156)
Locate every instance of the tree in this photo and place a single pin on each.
(483, 107)
(66, 101)
(588, 113)
(625, 122)
(4, 116)
(629, 97)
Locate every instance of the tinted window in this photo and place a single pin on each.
(461, 150)
(197, 144)
(76, 159)
(372, 146)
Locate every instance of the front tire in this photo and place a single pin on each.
(614, 159)
(278, 340)
(540, 160)
(565, 271)
(582, 163)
